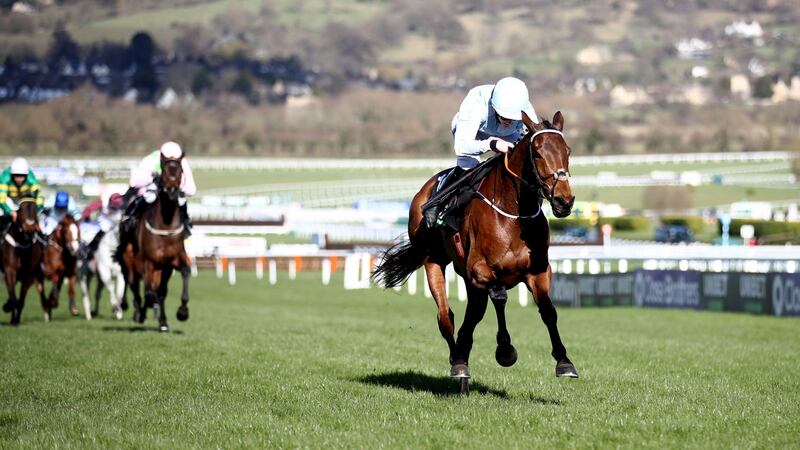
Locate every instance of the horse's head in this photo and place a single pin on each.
(549, 155)
(171, 175)
(27, 216)
(68, 234)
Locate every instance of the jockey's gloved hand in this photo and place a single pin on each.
(150, 192)
(181, 199)
(500, 145)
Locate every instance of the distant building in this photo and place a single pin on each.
(700, 72)
(693, 48)
(22, 8)
(794, 88)
(740, 87)
(594, 55)
(622, 96)
(694, 94)
(780, 92)
(745, 30)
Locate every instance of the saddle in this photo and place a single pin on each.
(454, 189)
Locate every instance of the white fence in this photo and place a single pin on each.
(222, 163)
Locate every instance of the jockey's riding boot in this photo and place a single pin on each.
(437, 207)
(128, 195)
(92, 247)
(186, 220)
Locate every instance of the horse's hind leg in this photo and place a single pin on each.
(183, 310)
(476, 308)
(539, 285)
(505, 354)
(444, 316)
(138, 308)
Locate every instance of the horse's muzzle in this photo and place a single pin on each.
(562, 207)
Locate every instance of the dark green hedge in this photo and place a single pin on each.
(628, 223)
(780, 231)
(694, 223)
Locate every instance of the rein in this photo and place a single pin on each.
(559, 175)
(13, 242)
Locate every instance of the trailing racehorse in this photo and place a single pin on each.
(109, 274)
(22, 258)
(158, 249)
(502, 239)
(61, 262)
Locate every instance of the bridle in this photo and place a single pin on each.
(541, 187)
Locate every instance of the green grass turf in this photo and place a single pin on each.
(307, 15)
(301, 365)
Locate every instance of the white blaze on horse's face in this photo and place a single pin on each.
(74, 244)
(553, 167)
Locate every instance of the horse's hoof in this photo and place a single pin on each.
(8, 307)
(163, 328)
(46, 317)
(124, 305)
(74, 311)
(506, 356)
(459, 370)
(138, 316)
(564, 368)
(183, 313)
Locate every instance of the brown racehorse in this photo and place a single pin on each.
(502, 240)
(158, 248)
(61, 261)
(22, 258)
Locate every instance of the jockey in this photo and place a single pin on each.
(62, 205)
(110, 216)
(488, 120)
(142, 183)
(16, 183)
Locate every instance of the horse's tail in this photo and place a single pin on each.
(399, 261)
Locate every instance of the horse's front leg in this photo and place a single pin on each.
(23, 291)
(11, 304)
(83, 281)
(444, 315)
(73, 308)
(55, 291)
(539, 285)
(10, 279)
(476, 308)
(162, 298)
(505, 354)
(116, 290)
(183, 310)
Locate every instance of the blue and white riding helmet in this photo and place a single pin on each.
(62, 200)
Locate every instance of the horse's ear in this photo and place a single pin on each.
(527, 121)
(558, 121)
